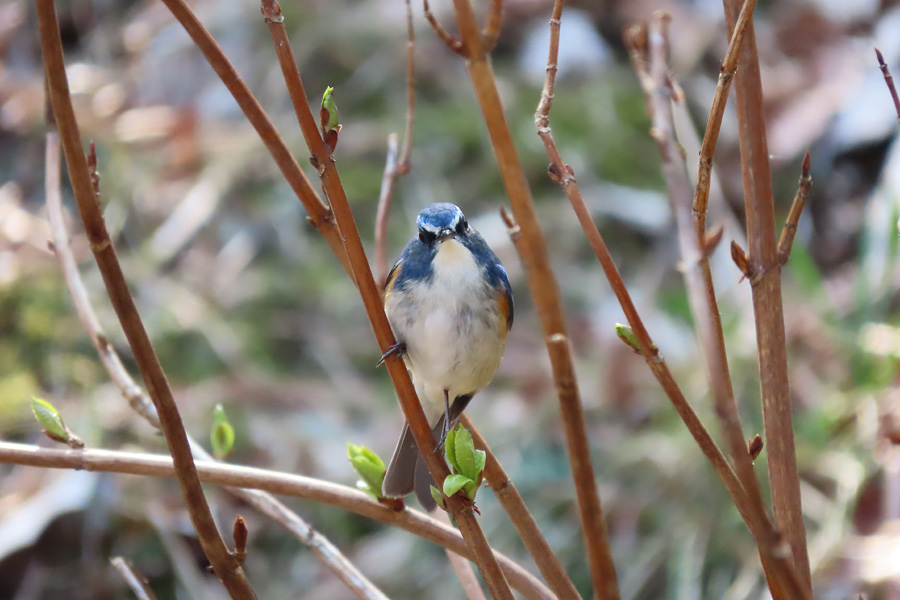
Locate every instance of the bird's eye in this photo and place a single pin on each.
(462, 226)
(426, 237)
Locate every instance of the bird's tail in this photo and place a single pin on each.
(407, 471)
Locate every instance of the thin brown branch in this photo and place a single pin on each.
(452, 42)
(220, 558)
(701, 293)
(385, 198)
(646, 345)
(544, 290)
(790, 226)
(286, 484)
(889, 80)
(463, 568)
(716, 112)
(461, 508)
(403, 161)
(512, 502)
(320, 546)
(394, 167)
(491, 32)
(543, 286)
(320, 215)
(136, 582)
(759, 204)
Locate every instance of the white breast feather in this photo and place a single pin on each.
(451, 328)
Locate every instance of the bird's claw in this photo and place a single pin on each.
(398, 349)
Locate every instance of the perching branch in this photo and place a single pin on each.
(461, 509)
(286, 484)
(889, 80)
(320, 546)
(394, 167)
(790, 226)
(759, 204)
(220, 558)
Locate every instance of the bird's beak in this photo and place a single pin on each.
(446, 233)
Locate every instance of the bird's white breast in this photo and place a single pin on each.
(451, 326)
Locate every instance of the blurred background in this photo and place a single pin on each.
(248, 307)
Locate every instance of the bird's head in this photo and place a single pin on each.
(440, 222)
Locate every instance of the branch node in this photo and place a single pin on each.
(271, 11)
(240, 534)
(454, 43)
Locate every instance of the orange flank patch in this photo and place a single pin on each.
(392, 277)
(503, 307)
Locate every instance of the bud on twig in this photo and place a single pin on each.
(370, 467)
(52, 422)
(240, 533)
(755, 446)
(330, 119)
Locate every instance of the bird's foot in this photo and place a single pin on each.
(398, 349)
(446, 432)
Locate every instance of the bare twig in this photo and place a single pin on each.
(394, 167)
(701, 293)
(462, 567)
(462, 509)
(716, 112)
(225, 566)
(136, 582)
(889, 80)
(491, 31)
(406, 148)
(523, 521)
(790, 226)
(320, 546)
(534, 253)
(452, 42)
(784, 478)
(385, 197)
(320, 215)
(544, 290)
(287, 484)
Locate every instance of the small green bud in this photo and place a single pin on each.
(627, 335)
(222, 436)
(438, 497)
(54, 427)
(369, 466)
(330, 118)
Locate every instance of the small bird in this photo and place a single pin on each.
(450, 305)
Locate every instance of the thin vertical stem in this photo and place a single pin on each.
(547, 301)
(784, 478)
(226, 568)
